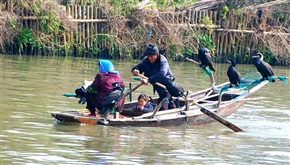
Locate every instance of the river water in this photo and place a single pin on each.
(33, 86)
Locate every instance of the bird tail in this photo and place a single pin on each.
(211, 68)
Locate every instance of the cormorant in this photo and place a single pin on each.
(205, 58)
(233, 74)
(111, 99)
(263, 67)
(81, 94)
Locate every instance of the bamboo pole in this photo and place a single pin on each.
(221, 43)
(199, 17)
(193, 17)
(91, 26)
(88, 28)
(75, 12)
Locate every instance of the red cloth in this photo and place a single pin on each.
(103, 84)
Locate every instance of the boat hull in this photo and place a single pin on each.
(187, 114)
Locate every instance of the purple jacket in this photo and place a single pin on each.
(103, 84)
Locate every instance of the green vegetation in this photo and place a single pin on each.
(42, 26)
(225, 11)
(25, 39)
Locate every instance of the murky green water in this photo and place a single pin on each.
(30, 86)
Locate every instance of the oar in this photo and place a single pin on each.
(156, 109)
(218, 118)
(157, 83)
(121, 98)
(126, 94)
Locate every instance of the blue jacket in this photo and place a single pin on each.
(149, 107)
(154, 71)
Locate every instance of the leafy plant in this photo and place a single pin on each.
(95, 50)
(100, 38)
(278, 14)
(206, 21)
(50, 24)
(124, 8)
(267, 54)
(225, 11)
(25, 38)
(206, 41)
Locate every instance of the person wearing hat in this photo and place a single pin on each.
(106, 80)
(155, 66)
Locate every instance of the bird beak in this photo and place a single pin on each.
(228, 61)
(255, 57)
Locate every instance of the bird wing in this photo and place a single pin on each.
(260, 67)
(209, 56)
(205, 59)
(234, 75)
(268, 69)
(264, 68)
(112, 97)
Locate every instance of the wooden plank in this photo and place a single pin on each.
(160, 113)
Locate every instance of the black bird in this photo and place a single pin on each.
(81, 94)
(112, 98)
(205, 58)
(263, 67)
(233, 74)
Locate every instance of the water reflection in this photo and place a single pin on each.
(32, 85)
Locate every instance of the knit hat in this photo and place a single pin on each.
(151, 49)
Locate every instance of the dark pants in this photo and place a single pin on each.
(163, 93)
(92, 103)
(166, 105)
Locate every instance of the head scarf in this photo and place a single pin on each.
(106, 66)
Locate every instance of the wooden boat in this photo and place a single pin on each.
(189, 111)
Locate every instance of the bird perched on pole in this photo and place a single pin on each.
(205, 58)
(233, 74)
(205, 61)
(263, 67)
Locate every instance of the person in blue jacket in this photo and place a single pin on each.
(143, 104)
(155, 66)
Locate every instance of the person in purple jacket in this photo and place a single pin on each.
(155, 66)
(143, 104)
(103, 84)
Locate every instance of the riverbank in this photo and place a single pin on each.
(119, 31)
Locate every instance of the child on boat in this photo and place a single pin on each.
(143, 104)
